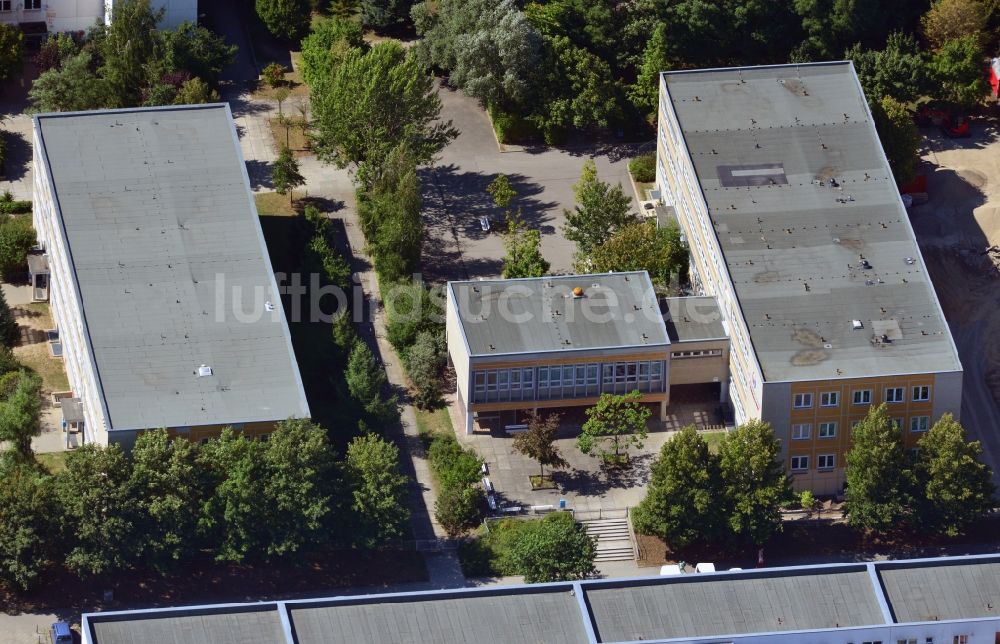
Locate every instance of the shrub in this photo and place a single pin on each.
(424, 362)
(411, 308)
(453, 465)
(643, 168)
(554, 548)
(9, 205)
(16, 239)
(273, 74)
(458, 509)
(513, 128)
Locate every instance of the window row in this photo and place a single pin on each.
(29, 5)
(701, 353)
(803, 431)
(567, 381)
(824, 462)
(921, 393)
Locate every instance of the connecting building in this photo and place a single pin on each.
(929, 601)
(161, 287)
(562, 341)
(52, 16)
(795, 225)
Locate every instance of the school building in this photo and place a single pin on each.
(796, 227)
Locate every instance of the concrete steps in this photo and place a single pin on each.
(614, 541)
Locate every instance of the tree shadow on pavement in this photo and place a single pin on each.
(18, 156)
(260, 174)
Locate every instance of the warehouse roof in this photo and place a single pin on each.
(753, 604)
(810, 222)
(544, 617)
(713, 605)
(180, 306)
(564, 313)
(957, 591)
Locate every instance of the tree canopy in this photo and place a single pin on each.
(681, 505)
(616, 423)
(754, 481)
(601, 210)
(879, 494)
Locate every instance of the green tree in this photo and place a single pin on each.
(285, 174)
(501, 191)
(577, 89)
(899, 70)
(955, 487)
(378, 491)
(19, 416)
(196, 50)
(11, 50)
(831, 25)
(640, 246)
(754, 483)
(169, 487)
(234, 518)
(385, 14)
(683, 497)
(127, 44)
(614, 424)
(195, 91)
(412, 308)
(951, 19)
(365, 381)
(71, 87)
(495, 61)
(54, 50)
(284, 18)
(98, 510)
(370, 105)
(326, 45)
(645, 92)
(299, 488)
(899, 136)
(10, 333)
(556, 548)
(957, 68)
(538, 442)
(28, 525)
(395, 229)
(601, 209)
(425, 360)
(879, 482)
(523, 256)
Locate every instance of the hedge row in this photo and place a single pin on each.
(460, 503)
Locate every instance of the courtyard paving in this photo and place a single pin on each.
(585, 486)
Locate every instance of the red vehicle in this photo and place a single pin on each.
(955, 128)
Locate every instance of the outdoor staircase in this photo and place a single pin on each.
(614, 541)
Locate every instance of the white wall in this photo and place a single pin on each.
(458, 354)
(65, 303)
(80, 15)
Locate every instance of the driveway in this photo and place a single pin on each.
(455, 193)
(954, 229)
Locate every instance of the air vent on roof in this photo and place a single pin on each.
(204, 371)
(909, 261)
(856, 324)
(268, 306)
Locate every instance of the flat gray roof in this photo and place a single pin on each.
(691, 319)
(800, 195)
(158, 218)
(245, 627)
(616, 310)
(712, 605)
(932, 593)
(539, 618)
(692, 607)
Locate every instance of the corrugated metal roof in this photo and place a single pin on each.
(615, 310)
(254, 627)
(168, 253)
(688, 607)
(937, 592)
(800, 197)
(539, 618)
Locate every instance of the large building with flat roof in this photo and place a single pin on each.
(796, 226)
(161, 287)
(920, 601)
(562, 341)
